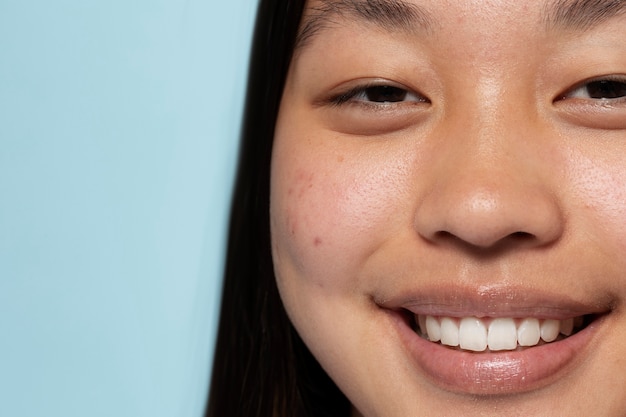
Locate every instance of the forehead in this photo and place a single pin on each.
(429, 16)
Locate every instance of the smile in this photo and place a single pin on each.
(496, 334)
(495, 341)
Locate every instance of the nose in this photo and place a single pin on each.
(488, 191)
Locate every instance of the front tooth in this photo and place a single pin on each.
(528, 332)
(449, 332)
(567, 327)
(550, 330)
(433, 329)
(502, 334)
(472, 334)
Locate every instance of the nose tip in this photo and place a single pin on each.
(485, 217)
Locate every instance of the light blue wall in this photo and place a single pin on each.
(118, 128)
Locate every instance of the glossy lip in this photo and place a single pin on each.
(493, 301)
(494, 373)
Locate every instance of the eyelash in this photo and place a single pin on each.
(351, 96)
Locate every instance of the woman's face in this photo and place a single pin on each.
(454, 173)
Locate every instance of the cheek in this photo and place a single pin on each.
(601, 193)
(330, 211)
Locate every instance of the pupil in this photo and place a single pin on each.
(386, 94)
(606, 89)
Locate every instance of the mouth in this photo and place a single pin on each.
(493, 344)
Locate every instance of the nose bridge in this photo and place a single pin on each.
(491, 180)
(493, 113)
(488, 136)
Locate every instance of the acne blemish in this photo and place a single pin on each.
(304, 182)
(317, 241)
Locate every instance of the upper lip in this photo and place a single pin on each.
(494, 301)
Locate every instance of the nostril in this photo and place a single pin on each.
(507, 240)
(443, 235)
(521, 236)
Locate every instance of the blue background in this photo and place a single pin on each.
(119, 122)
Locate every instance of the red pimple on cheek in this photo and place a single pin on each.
(317, 241)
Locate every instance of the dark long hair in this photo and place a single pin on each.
(261, 366)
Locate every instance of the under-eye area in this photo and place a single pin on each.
(493, 334)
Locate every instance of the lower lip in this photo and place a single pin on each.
(497, 373)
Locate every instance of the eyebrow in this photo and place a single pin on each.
(392, 15)
(582, 15)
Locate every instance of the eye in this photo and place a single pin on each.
(373, 107)
(379, 94)
(599, 89)
(386, 94)
(597, 103)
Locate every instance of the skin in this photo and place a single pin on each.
(496, 171)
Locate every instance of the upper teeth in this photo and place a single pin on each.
(472, 333)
